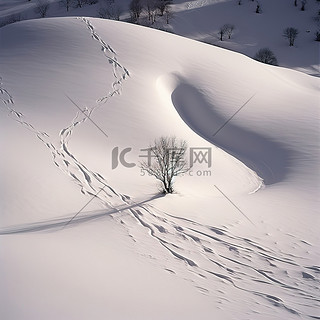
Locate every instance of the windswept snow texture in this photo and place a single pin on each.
(84, 236)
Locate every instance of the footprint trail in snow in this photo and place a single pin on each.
(210, 255)
(267, 276)
(90, 183)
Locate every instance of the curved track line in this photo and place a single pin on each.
(63, 158)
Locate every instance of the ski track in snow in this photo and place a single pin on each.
(208, 253)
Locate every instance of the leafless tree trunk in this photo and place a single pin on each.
(162, 4)
(110, 11)
(291, 34)
(151, 7)
(221, 32)
(66, 3)
(79, 3)
(258, 9)
(135, 9)
(229, 29)
(42, 7)
(168, 13)
(168, 161)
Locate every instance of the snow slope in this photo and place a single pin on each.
(202, 19)
(81, 240)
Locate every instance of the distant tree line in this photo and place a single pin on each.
(152, 9)
(109, 9)
(42, 6)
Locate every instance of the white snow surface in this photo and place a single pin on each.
(80, 240)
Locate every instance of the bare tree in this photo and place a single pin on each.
(116, 12)
(258, 9)
(226, 29)
(265, 55)
(42, 7)
(221, 32)
(135, 8)
(162, 4)
(229, 29)
(168, 13)
(103, 13)
(151, 8)
(169, 161)
(110, 11)
(79, 3)
(66, 3)
(291, 34)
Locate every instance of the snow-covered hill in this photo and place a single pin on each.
(81, 239)
(202, 19)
